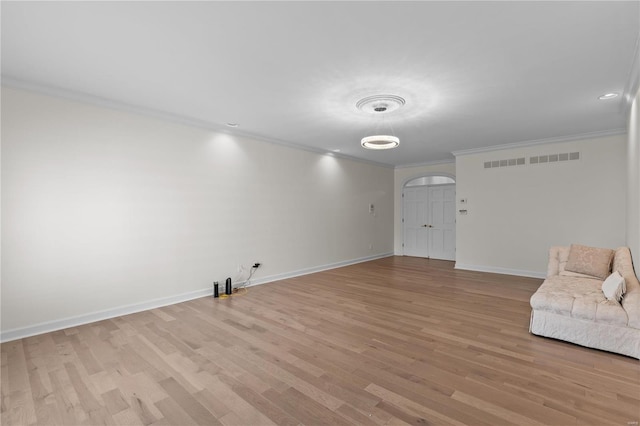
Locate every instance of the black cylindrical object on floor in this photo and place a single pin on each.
(227, 286)
(215, 289)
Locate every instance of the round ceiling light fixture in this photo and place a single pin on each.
(380, 142)
(381, 105)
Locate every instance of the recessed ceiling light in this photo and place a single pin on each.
(380, 142)
(232, 124)
(336, 150)
(608, 96)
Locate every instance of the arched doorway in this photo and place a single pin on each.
(429, 217)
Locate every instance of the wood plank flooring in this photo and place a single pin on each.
(394, 341)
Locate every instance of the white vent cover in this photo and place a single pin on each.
(504, 163)
(552, 158)
(538, 159)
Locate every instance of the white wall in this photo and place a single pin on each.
(401, 176)
(633, 182)
(516, 213)
(103, 209)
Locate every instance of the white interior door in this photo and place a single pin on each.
(429, 221)
(442, 222)
(416, 215)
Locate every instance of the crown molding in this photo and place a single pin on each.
(569, 138)
(633, 81)
(166, 116)
(107, 103)
(428, 163)
(221, 128)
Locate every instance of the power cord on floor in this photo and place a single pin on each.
(242, 290)
(239, 291)
(252, 271)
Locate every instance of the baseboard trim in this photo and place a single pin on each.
(49, 326)
(46, 327)
(314, 269)
(498, 270)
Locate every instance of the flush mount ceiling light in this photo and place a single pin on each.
(380, 105)
(608, 96)
(232, 124)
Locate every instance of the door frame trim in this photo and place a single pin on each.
(417, 176)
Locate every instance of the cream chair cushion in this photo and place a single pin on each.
(589, 261)
(579, 298)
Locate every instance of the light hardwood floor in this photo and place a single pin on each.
(393, 341)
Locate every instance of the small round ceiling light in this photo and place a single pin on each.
(380, 142)
(377, 104)
(607, 96)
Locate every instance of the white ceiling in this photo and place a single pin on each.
(474, 74)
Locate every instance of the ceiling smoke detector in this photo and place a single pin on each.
(378, 104)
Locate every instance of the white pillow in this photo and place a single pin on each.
(614, 287)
